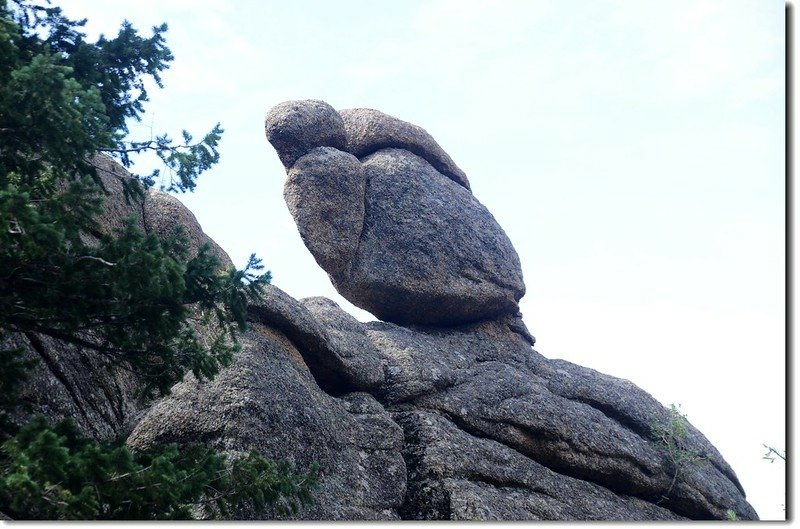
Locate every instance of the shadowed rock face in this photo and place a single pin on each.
(459, 422)
(269, 401)
(391, 218)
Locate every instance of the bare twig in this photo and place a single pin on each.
(93, 258)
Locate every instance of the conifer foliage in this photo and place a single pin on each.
(131, 297)
(54, 473)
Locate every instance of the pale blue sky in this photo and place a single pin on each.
(633, 150)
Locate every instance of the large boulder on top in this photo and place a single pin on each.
(429, 251)
(391, 218)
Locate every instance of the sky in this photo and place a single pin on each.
(633, 151)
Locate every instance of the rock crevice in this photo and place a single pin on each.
(448, 403)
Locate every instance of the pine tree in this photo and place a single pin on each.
(126, 295)
(54, 473)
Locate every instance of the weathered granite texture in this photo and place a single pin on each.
(391, 218)
(464, 421)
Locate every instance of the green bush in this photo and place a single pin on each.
(132, 298)
(54, 473)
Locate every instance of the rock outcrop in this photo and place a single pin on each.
(460, 420)
(70, 381)
(466, 423)
(269, 400)
(387, 213)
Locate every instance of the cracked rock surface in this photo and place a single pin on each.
(465, 423)
(268, 400)
(461, 422)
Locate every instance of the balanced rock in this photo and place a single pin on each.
(459, 422)
(391, 218)
(428, 242)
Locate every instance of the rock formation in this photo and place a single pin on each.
(390, 217)
(441, 411)
(68, 382)
(465, 423)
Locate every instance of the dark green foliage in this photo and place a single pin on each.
(71, 98)
(135, 299)
(116, 68)
(54, 473)
(132, 297)
(14, 371)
